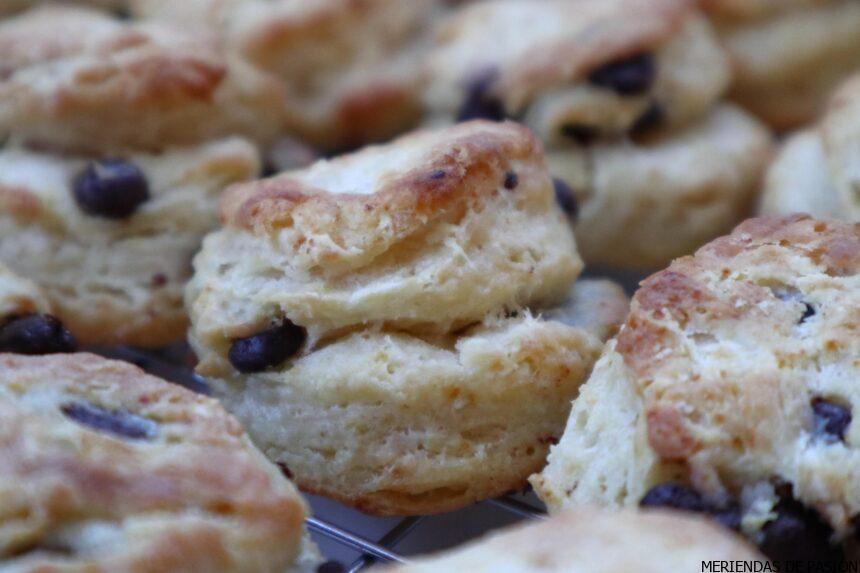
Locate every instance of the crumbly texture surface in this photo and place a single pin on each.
(116, 281)
(113, 85)
(19, 296)
(817, 171)
(713, 381)
(590, 541)
(423, 384)
(788, 56)
(110, 469)
(643, 204)
(535, 59)
(349, 67)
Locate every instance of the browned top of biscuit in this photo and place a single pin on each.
(560, 43)
(743, 10)
(720, 344)
(75, 78)
(381, 194)
(170, 475)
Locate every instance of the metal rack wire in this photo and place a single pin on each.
(370, 549)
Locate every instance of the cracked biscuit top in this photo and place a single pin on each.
(109, 469)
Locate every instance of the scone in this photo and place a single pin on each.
(113, 85)
(592, 541)
(109, 179)
(817, 171)
(26, 325)
(787, 55)
(106, 468)
(374, 320)
(111, 240)
(729, 391)
(350, 69)
(624, 93)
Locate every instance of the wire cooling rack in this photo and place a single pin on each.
(345, 535)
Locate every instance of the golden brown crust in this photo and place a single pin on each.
(119, 85)
(438, 182)
(192, 495)
(646, 24)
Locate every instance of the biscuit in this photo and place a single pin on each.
(576, 71)
(113, 85)
(349, 68)
(109, 469)
(373, 319)
(788, 55)
(632, 125)
(591, 541)
(643, 204)
(729, 390)
(113, 263)
(816, 170)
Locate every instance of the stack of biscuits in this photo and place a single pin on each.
(414, 250)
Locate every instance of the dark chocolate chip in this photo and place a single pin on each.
(511, 180)
(729, 517)
(331, 567)
(36, 334)
(798, 534)
(831, 419)
(566, 199)
(808, 312)
(479, 104)
(116, 422)
(111, 188)
(580, 133)
(265, 349)
(285, 470)
(651, 118)
(675, 496)
(631, 76)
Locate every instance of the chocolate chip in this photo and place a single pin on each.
(111, 188)
(808, 312)
(36, 334)
(265, 349)
(116, 422)
(675, 496)
(285, 470)
(566, 199)
(479, 104)
(630, 76)
(331, 567)
(831, 420)
(798, 534)
(729, 517)
(651, 118)
(511, 180)
(581, 134)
